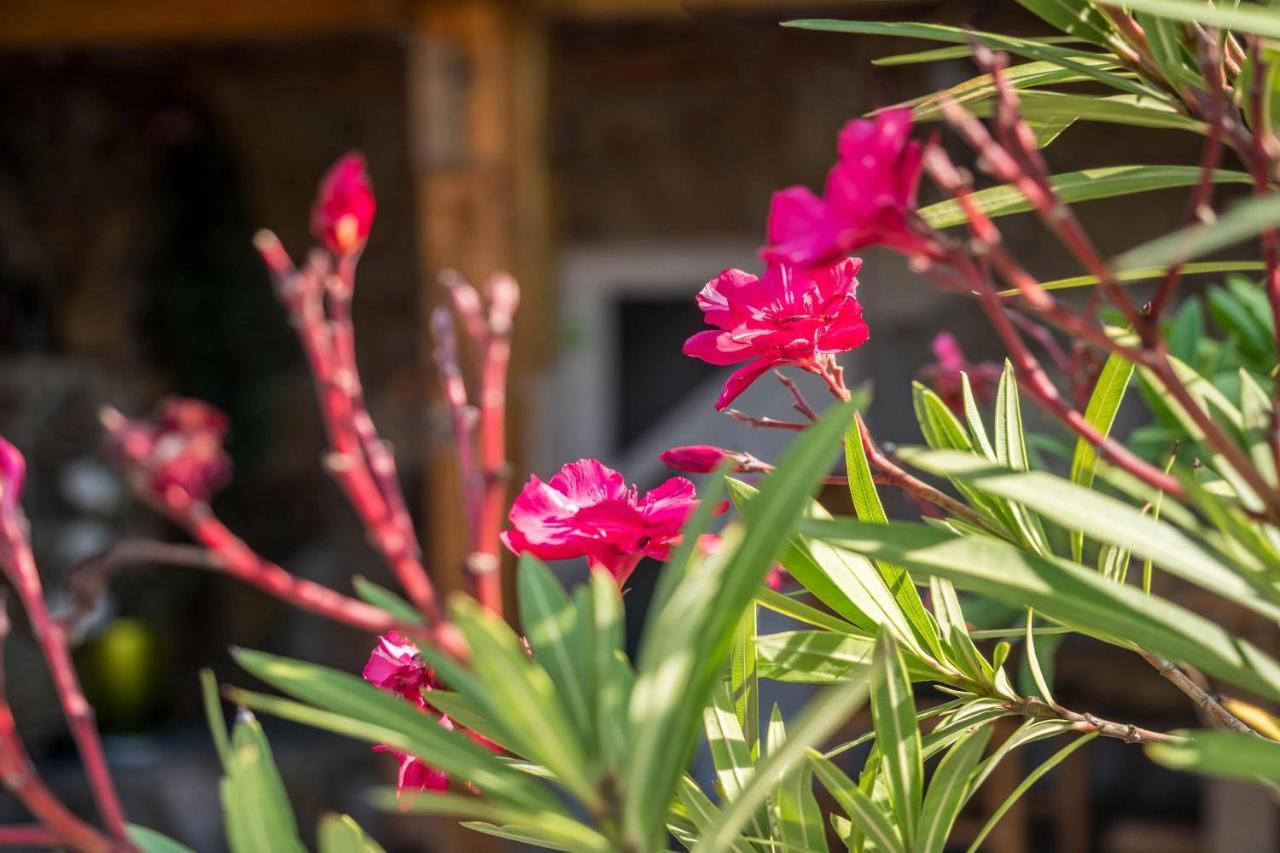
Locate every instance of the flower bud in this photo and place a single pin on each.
(13, 470)
(695, 458)
(177, 451)
(343, 211)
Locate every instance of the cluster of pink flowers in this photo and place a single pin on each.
(801, 312)
(178, 452)
(396, 666)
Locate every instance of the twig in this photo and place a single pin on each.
(358, 460)
(1127, 732)
(764, 422)
(87, 581)
(1203, 699)
(19, 567)
(18, 835)
(19, 775)
(800, 404)
(896, 476)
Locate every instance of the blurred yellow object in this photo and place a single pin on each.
(122, 673)
(1260, 721)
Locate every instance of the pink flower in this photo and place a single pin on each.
(177, 452)
(587, 510)
(945, 375)
(342, 215)
(13, 471)
(868, 195)
(395, 666)
(695, 458)
(793, 315)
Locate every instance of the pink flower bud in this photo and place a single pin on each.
(343, 211)
(13, 470)
(176, 452)
(695, 458)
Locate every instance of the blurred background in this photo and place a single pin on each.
(614, 154)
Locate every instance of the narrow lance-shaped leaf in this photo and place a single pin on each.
(1104, 403)
(688, 638)
(796, 813)
(867, 818)
(949, 789)
(1065, 593)
(1073, 187)
(1228, 755)
(866, 503)
(820, 718)
(897, 736)
(550, 623)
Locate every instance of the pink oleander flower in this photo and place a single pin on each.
(395, 666)
(944, 376)
(342, 215)
(587, 510)
(868, 195)
(792, 315)
(178, 451)
(695, 458)
(13, 472)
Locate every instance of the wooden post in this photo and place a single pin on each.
(477, 107)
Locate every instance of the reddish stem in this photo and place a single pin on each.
(19, 567)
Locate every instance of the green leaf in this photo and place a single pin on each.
(254, 803)
(1247, 18)
(1073, 187)
(1103, 518)
(150, 841)
(1144, 273)
(1011, 451)
(821, 717)
(893, 710)
(949, 789)
(357, 709)
(865, 813)
(813, 657)
(338, 833)
(546, 828)
(1075, 18)
(866, 503)
(982, 88)
(743, 678)
(1164, 38)
(1033, 660)
(1065, 593)
(551, 625)
(958, 52)
(1219, 753)
(1141, 110)
(688, 638)
(1241, 221)
(797, 817)
(1104, 403)
(801, 612)
(213, 715)
(522, 698)
(1027, 48)
(730, 753)
(1025, 785)
(384, 599)
(613, 675)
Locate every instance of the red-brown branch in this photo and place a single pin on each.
(358, 459)
(19, 568)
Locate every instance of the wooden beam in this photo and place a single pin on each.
(478, 104)
(85, 23)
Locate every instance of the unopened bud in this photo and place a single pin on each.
(342, 215)
(696, 458)
(13, 470)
